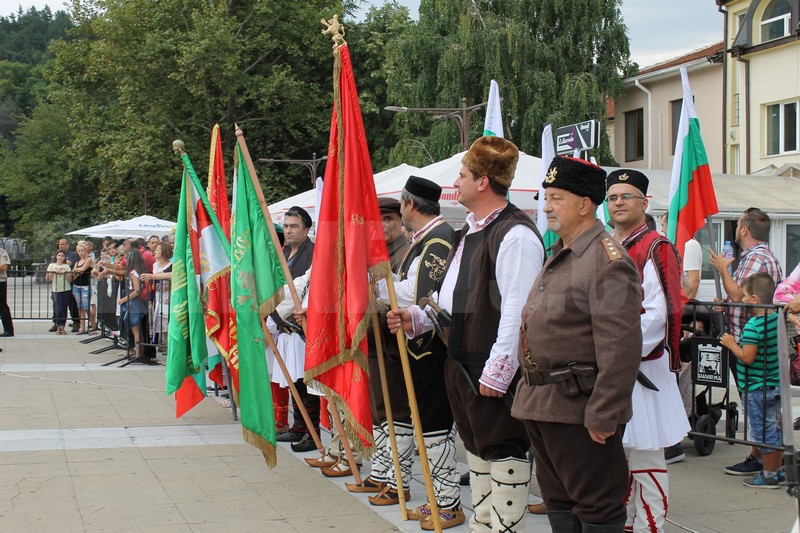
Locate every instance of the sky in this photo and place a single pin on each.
(657, 30)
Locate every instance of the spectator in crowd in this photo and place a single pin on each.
(149, 258)
(161, 279)
(134, 308)
(70, 259)
(752, 232)
(5, 312)
(152, 242)
(58, 274)
(786, 291)
(759, 380)
(82, 285)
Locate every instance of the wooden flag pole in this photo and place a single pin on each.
(296, 395)
(388, 408)
(412, 403)
(298, 305)
(348, 451)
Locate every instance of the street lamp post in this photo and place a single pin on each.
(459, 115)
(311, 164)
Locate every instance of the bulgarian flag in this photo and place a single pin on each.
(218, 199)
(257, 288)
(691, 191)
(493, 125)
(548, 153)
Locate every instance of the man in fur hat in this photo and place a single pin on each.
(579, 351)
(659, 419)
(490, 270)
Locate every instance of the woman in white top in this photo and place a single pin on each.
(59, 275)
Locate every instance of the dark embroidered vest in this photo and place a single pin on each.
(476, 299)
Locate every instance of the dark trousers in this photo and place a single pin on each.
(395, 384)
(577, 474)
(5, 312)
(485, 424)
(60, 305)
(72, 305)
(311, 403)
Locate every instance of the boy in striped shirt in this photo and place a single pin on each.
(758, 379)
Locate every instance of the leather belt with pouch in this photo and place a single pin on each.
(571, 380)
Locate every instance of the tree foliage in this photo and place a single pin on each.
(555, 61)
(135, 75)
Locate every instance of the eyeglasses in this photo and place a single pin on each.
(626, 197)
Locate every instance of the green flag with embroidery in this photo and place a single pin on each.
(256, 288)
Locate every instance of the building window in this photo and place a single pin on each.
(634, 135)
(675, 107)
(775, 20)
(782, 128)
(792, 246)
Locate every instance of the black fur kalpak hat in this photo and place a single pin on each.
(578, 177)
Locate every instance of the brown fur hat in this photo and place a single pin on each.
(494, 157)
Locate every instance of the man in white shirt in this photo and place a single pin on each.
(489, 274)
(692, 263)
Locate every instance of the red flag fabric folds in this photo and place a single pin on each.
(350, 246)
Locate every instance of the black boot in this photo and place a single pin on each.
(619, 527)
(564, 522)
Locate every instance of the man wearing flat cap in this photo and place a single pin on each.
(420, 272)
(298, 251)
(490, 270)
(659, 419)
(579, 352)
(393, 230)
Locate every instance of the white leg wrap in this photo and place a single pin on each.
(480, 482)
(510, 480)
(382, 458)
(441, 450)
(404, 435)
(648, 494)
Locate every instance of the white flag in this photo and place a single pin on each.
(548, 153)
(493, 126)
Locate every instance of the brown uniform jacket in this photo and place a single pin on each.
(584, 308)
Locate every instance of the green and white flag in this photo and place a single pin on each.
(493, 126)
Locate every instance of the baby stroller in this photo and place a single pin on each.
(709, 370)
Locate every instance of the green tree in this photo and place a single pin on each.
(370, 43)
(555, 61)
(134, 75)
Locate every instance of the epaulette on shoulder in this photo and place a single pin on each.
(611, 248)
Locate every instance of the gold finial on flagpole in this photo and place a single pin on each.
(335, 29)
(178, 147)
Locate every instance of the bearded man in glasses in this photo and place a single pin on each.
(659, 419)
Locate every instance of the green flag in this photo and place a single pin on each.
(186, 335)
(254, 292)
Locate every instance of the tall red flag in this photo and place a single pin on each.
(218, 198)
(350, 246)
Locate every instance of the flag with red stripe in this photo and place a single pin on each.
(691, 190)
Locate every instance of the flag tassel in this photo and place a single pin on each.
(257, 441)
(376, 328)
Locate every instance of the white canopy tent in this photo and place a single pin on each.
(445, 172)
(308, 199)
(142, 226)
